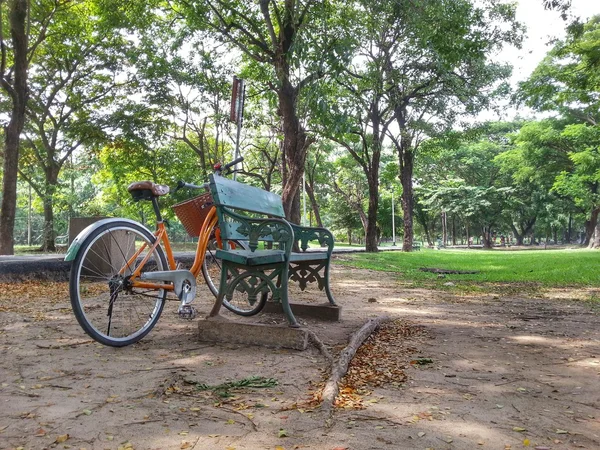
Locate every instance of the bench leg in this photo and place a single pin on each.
(327, 289)
(304, 273)
(222, 288)
(285, 304)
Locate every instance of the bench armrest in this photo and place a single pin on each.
(255, 228)
(306, 234)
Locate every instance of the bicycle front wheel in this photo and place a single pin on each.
(211, 270)
(105, 303)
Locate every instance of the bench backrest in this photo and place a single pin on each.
(236, 196)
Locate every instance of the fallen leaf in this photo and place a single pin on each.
(526, 442)
(562, 432)
(519, 429)
(40, 433)
(126, 446)
(282, 433)
(87, 412)
(230, 422)
(62, 438)
(185, 444)
(420, 434)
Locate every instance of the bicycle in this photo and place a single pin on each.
(121, 274)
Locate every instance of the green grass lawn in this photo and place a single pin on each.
(529, 269)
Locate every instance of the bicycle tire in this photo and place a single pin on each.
(211, 271)
(96, 283)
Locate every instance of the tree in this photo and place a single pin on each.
(13, 79)
(357, 116)
(567, 81)
(73, 82)
(291, 46)
(437, 68)
(351, 190)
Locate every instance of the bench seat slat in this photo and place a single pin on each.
(250, 258)
(308, 256)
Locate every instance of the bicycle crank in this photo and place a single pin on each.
(184, 283)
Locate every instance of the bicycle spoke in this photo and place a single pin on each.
(104, 302)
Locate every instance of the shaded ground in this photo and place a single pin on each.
(505, 372)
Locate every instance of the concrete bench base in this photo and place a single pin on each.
(323, 311)
(219, 329)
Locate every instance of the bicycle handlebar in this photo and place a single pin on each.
(218, 169)
(239, 159)
(183, 184)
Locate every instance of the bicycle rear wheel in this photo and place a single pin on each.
(106, 305)
(211, 270)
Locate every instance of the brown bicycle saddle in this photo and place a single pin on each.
(155, 189)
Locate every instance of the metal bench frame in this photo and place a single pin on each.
(249, 213)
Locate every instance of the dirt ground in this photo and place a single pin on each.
(489, 372)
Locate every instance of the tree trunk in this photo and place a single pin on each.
(297, 218)
(406, 172)
(594, 240)
(314, 205)
(487, 237)
(18, 94)
(48, 238)
(453, 229)
(371, 234)
(518, 236)
(295, 143)
(590, 228)
(445, 229)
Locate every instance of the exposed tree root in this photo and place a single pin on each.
(318, 343)
(340, 367)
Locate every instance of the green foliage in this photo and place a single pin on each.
(568, 79)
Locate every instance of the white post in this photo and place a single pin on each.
(29, 220)
(237, 113)
(304, 199)
(393, 222)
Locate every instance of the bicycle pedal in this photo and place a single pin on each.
(187, 312)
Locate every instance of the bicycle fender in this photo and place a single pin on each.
(76, 244)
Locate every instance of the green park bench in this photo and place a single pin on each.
(251, 214)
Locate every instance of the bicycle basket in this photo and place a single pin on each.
(192, 213)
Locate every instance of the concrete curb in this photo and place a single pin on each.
(55, 268)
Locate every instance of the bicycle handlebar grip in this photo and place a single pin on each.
(180, 185)
(233, 163)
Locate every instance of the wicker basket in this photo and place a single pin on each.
(192, 213)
